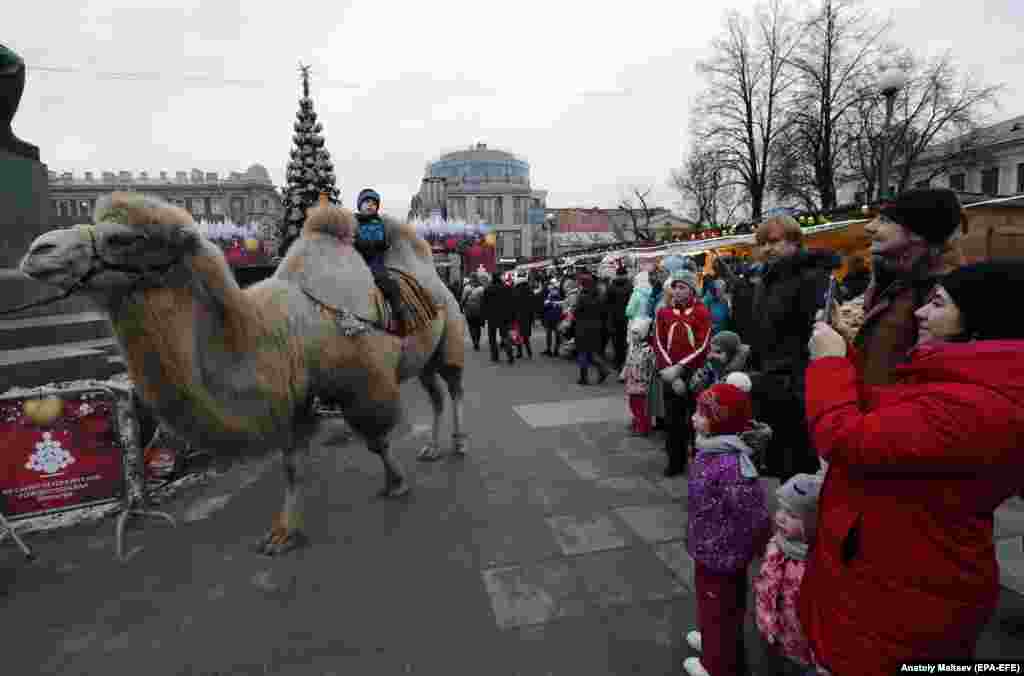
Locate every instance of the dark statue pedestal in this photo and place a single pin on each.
(24, 205)
(24, 215)
(24, 202)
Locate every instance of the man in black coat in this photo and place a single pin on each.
(525, 313)
(619, 293)
(590, 321)
(777, 324)
(499, 311)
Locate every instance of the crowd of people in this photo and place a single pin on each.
(893, 446)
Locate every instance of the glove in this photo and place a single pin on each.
(670, 373)
(679, 386)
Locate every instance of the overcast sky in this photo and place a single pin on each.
(593, 95)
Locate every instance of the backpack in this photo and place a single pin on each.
(474, 303)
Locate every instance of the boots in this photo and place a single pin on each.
(584, 376)
(603, 374)
(393, 295)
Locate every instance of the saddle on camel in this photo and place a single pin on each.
(236, 371)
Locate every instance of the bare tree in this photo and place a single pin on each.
(939, 119)
(936, 123)
(747, 76)
(706, 186)
(867, 118)
(635, 206)
(792, 176)
(841, 43)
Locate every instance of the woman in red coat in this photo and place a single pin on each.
(904, 566)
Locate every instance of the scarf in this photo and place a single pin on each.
(729, 444)
(791, 548)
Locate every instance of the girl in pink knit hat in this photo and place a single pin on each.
(777, 584)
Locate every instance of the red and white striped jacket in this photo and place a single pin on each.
(682, 336)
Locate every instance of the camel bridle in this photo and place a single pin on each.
(97, 265)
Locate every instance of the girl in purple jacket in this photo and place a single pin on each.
(728, 523)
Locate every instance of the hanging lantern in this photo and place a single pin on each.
(491, 239)
(252, 245)
(451, 243)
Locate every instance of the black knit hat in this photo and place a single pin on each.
(975, 289)
(367, 194)
(932, 213)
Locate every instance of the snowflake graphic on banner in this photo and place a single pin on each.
(49, 457)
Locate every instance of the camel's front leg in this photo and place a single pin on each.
(286, 533)
(431, 383)
(453, 378)
(395, 484)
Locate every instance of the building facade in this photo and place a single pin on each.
(483, 185)
(988, 162)
(248, 197)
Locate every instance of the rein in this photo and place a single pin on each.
(103, 265)
(349, 322)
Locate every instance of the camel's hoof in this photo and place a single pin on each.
(460, 442)
(280, 541)
(430, 452)
(394, 490)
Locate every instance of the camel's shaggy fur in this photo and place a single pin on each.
(330, 220)
(237, 368)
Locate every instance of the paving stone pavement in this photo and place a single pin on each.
(554, 547)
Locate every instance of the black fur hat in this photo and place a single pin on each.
(932, 213)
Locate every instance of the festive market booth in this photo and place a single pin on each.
(534, 267)
(248, 249)
(995, 229)
(847, 238)
(459, 246)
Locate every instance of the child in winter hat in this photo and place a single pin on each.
(727, 354)
(640, 300)
(638, 373)
(777, 584)
(728, 522)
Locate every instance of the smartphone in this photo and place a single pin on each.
(830, 299)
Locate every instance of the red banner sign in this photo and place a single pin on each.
(59, 452)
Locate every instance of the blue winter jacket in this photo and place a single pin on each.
(552, 306)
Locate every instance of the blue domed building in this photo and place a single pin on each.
(484, 185)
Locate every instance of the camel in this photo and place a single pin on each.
(236, 370)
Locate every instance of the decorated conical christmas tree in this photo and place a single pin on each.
(310, 170)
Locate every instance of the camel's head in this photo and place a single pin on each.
(135, 237)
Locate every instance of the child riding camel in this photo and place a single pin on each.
(372, 242)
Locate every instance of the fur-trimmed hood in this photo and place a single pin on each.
(805, 260)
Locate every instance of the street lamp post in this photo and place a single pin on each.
(890, 82)
(551, 220)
